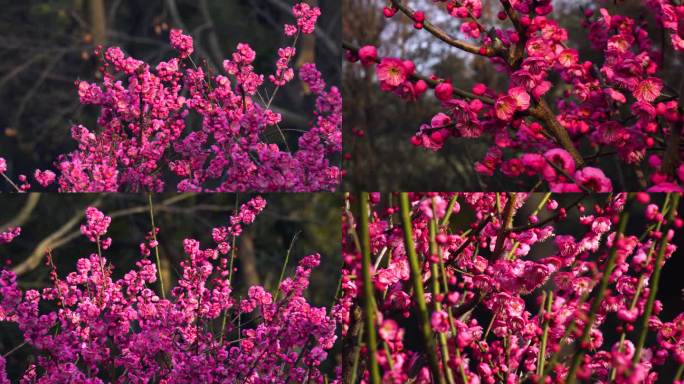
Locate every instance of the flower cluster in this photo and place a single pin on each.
(103, 329)
(9, 234)
(181, 42)
(306, 17)
(146, 143)
(97, 224)
(498, 295)
(617, 107)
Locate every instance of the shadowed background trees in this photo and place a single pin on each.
(308, 223)
(45, 46)
(383, 158)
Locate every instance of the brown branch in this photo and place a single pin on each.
(470, 238)
(24, 214)
(62, 235)
(430, 82)
(98, 21)
(442, 35)
(543, 112)
(548, 219)
(38, 253)
(246, 256)
(20, 68)
(351, 348)
(214, 45)
(518, 50)
(507, 222)
(36, 86)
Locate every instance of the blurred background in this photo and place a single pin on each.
(383, 158)
(51, 221)
(45, 46)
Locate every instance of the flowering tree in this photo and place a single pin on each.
(104, 329)
(464, 274)
(146, 141)
(559, 114)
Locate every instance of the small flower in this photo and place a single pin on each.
(522, 98)
(9, 234)
(479, 89)
(568, 57)
(391, 72)
(444, 91)
(648, 90)
(368, 54)
(290, 30)
(44, 178)
(440, 321)
(560, 158)
(593, 179)
(505, 107)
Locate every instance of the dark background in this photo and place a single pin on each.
(261, 248)
(384, 159)
(47, 45)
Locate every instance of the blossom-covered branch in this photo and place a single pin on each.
(103, 329)
(556, 107)
(513, 297)
(147, 139)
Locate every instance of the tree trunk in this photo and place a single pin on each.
(247, 259)
(98, 21)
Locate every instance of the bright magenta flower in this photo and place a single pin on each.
(391, 72)
(444, 91)
(368, 54)
(649, 89)
(505, 107)
(181, 42)
(594, 179)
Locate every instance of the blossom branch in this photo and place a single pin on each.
(543, 112)
(442, 35)
(518, 50)
(506, 223)
(432, 83)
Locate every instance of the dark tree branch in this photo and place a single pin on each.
(442, 35)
